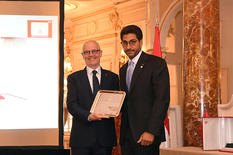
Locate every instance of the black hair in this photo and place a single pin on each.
(132, 29)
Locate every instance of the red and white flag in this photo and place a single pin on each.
(1, 97)
(157, 48)
(157, 52)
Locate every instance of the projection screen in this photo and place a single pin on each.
(31, 73)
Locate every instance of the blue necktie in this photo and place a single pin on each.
(129, 74)
(95, 82)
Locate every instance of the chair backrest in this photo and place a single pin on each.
(226, 110)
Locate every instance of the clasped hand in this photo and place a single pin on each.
(146, 139)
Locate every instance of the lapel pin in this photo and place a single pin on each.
(142, 66)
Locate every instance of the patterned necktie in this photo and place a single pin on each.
(129, 74)
(95, 82)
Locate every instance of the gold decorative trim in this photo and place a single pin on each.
(109, 9)
(112, 35)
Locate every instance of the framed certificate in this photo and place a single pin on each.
(108, 102)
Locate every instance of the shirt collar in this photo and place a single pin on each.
(135, 59)
(89, 70)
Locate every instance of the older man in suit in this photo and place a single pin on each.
(91, 133)
(145, 79)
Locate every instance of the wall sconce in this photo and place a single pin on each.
(69, 6)
(123, 58)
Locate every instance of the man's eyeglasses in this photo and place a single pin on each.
(131, 42)
(87, 52)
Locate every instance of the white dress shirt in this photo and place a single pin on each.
(90, 74)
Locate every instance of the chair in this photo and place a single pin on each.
(226, 110)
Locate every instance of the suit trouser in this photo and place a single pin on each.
(130, 147)
(92, 150)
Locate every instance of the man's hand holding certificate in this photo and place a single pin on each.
(97, 117)
(108, 103)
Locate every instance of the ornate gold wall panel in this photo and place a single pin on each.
(104, 26)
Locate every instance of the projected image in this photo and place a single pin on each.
(29, 69)
(39, 28)
(9, 98)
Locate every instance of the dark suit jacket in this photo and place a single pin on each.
(146, 105)
(84, 133)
